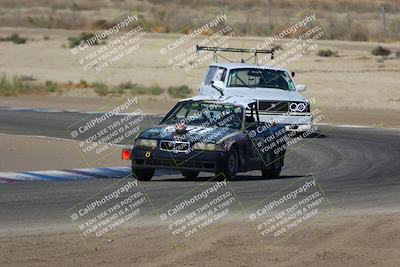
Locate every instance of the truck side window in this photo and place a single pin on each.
(210, 75)
(220, 74)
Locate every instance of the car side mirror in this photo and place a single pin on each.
(301, 87)
(293, 73)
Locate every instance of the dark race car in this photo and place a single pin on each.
(219, 135)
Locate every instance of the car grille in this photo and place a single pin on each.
(175, 146)
(273, 106)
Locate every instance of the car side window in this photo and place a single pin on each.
(210, 75)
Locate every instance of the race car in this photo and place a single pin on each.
(203, 134)
(278, 97)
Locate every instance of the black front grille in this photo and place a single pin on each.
(175, 146)
(167, 145)
(273, 106)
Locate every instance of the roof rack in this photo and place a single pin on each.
(236, 50)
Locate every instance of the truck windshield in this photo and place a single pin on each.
(206, 114)
(264, 78)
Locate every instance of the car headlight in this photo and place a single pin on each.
(145, 143)
(208, 146)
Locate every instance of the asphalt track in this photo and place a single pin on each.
(358, 169)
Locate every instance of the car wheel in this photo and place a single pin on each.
(143, 174)
(231, 165)
(190, 174)
(275, 169)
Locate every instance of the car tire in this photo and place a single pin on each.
(143, 174)
(231, 165)
(275, 169)
(190, 174)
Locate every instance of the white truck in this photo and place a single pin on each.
(278, 97)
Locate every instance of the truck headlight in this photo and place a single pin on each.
(299, 107)
(145, 143)
(208, 146)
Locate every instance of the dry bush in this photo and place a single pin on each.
(327, 53)
(249, 17)
(381, 51)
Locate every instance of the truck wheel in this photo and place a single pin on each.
(231, 165)
(275, 169)
(190, 174)
(143, 174)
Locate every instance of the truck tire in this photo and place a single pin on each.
(190, 174)
(143, 174)
(231, 165)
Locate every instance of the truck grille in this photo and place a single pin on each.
(273, 106)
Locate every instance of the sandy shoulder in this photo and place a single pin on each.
(24, 153)
(363, 240)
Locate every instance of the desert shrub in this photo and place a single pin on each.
(126, 88)
(155, 90)
(18, 85)
(327, 53)
(381, 51)
(132, 88)
(83, 84)
(41, 21)
(82, 38)
(51, 86)
(179, 91)
(14, 38)
(73, 41)
(101, 88)
(398, 54)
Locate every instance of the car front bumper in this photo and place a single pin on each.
(148, 158)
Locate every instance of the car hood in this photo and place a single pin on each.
(193, 133)
(264, 94)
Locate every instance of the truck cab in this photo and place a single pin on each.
(278, 97)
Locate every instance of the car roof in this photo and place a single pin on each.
(234, 100)
(238, 65)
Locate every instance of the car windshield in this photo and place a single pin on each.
(207, 114)
(264, 78)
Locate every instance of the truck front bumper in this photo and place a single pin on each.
(293, 123)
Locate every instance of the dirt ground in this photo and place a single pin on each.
(354, 88)
(352, 240)
(50, 154)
